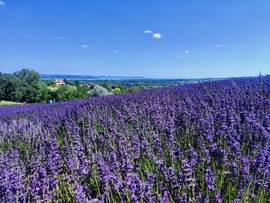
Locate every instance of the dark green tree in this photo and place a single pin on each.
(44, 93)
(106, 85)
(77, 83)
(65, 92)
(49, 82)
(9, 88)
(81, 92)
(1, 87)
(30, 85)
(27, 76)
(62, 93)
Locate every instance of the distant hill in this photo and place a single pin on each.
(103, 77)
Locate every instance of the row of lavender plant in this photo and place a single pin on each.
(206, 142)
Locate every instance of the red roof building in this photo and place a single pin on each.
(59, 82)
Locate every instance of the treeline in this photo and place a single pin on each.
(26, 86)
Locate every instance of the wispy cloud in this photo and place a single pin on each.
(84, 46)
(116, 51)
(187, 51)
(61, 38)
(178, 56)
(219, 45)
(29, 36)
(157, 35)
(88, 14)
(148, 31)
(126, 51)
(2, 3)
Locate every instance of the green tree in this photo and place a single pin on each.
(65, 81)
(61, 92)
(30, 85)
(27, 76)
(1, 87)
(9, 88)
(81, 92)
(116, 90)
(44, 93)
(106, 85)
(133, 89)
(49, 82)
(64, 93)
(77, 83)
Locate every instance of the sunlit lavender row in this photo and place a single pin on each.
(205, 142)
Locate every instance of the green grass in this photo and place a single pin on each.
(54, 88)
(8, 102)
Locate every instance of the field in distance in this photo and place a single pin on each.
(2, 102)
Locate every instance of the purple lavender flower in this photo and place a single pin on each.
(182, 199)
(80, 193)
(217, 196)
(209, 179)
(205, 142)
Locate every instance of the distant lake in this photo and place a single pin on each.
(88, 77)
(91, 77)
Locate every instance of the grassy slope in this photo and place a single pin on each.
(8, 103)
(54, 88)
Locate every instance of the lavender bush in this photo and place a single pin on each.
(205, 142)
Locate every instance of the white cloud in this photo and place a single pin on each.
(187, 51)
(219, 45)
(61, 38)
(178, 56)
(84, 46)
(116, 51)
(2, 3)
(148, 31)
(157, 35)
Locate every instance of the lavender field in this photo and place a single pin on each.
(205, 142)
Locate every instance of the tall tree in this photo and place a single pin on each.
(30, 85)
(1, 87)
(9, 88)
(81, 92)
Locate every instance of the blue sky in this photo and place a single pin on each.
(162, 38)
